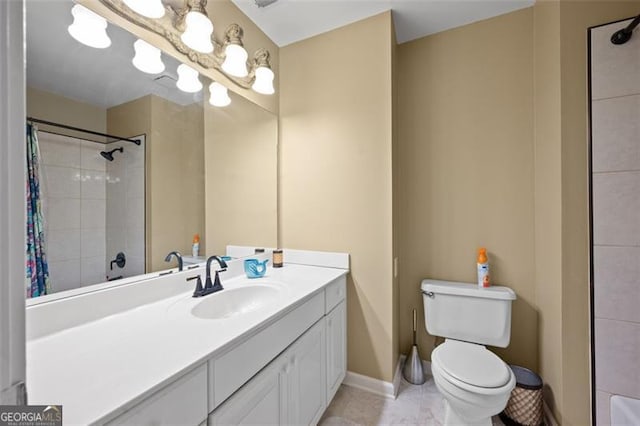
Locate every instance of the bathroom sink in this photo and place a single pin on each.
(235, 301)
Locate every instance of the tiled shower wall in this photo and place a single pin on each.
(74, 204)
(125, 209)
(93, 209)
(615, 103)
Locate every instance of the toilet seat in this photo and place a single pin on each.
(471, 367)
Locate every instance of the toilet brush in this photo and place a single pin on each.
(412, 371)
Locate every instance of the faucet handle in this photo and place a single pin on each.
(199, 290)
(217, 285)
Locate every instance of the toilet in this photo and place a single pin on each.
(476, 383)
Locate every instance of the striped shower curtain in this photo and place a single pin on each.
(37, 269)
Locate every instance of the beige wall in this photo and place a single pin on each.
(465, 125)
(240, 151)
(59, 109)
(222, 13)
(548, 196)
(335, 172)
(575, 18)
(174, 172)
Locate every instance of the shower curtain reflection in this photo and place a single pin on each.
(37, 269)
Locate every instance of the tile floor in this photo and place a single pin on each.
(415, 405)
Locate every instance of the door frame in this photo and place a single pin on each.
(12, 203)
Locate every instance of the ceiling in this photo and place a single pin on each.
(288, 21)
(59, 64)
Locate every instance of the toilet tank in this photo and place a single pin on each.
(462, 311)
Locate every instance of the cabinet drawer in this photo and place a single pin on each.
(183, 402)
(234, 368)
(335, 293)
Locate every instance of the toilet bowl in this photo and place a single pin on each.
(476, 384)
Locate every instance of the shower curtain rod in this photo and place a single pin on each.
(624, 35)
(77, 129)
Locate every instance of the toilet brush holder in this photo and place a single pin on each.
(413, 371)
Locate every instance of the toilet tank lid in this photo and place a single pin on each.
(466, 289)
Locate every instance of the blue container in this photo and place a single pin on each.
(254, 268)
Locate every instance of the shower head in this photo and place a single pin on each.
(108, 155)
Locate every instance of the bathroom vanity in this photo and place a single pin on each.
(269, 350)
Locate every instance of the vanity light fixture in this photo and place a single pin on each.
(263, 79)
(89, 28)
(188, 28)
(148, 58)
(219, 96)
(235, 62)
(197, 27)
(188, 80)
(148, 8)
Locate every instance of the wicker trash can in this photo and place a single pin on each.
(525, 404)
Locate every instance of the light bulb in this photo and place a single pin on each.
(264, 81)
(148, 8)
(148, 58)
(197, 33)
(219, 95)
(188, 80)
(89, 28)
(235, 62)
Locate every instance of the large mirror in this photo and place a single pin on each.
(126, 168)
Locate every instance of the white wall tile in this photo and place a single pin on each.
(93, 185)
(90, 158)
(135, 242)
(616, 208)
(135, 213)
(617, 354)
(58, 150)
(135, 266)
(62, 213)
(93, 213)
(135, 156)
(60, 182)
(615, 68)
(93, 243)
(135, 183)
(616, 134)
(617, 282)
(92, 270)
(116, 239)
(64, 275)
(603, 408)
(63, 245)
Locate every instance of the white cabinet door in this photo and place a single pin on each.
(307, 377)
(262, 400)
(336, 348)
(183, 402)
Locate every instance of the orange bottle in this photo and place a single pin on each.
(483, 268)
(195, 249)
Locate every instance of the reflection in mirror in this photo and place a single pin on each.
(113, 209)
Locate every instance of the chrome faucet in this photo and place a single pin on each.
(178, 256)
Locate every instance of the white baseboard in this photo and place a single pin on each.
(380, 387)
(549, 420)
(369, 384)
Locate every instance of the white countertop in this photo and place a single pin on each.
(100, 369)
